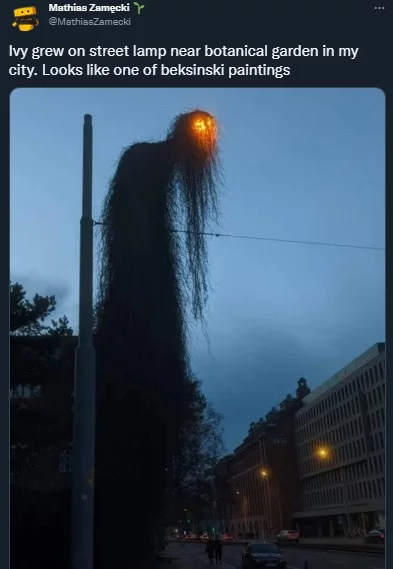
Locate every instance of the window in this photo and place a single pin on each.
(380, 370)
(374, 486)
(362, 381)
(367, 380)
(381, 440)
(371, 375)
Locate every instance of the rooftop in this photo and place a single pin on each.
(345, 372)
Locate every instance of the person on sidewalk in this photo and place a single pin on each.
(210, 550)
(218, 551)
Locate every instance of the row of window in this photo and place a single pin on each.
(364, 381)
(354, 428)
(245, 461)
(352, 450)
(372, 466)
(365, 490)
(373, 398)
(25, 391)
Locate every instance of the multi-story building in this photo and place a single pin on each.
(340, 439)
(262, 473)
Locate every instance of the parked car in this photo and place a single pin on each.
(376, 535)
(259, 552)
(228, 537)
(288, 535)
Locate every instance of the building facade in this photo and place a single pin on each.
(340, 441)
(262, 473)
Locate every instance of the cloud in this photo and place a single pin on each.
(254, 370)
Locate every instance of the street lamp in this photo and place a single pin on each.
(265, 476)
(325, 454)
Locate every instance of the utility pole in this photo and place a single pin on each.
(84, 389)
(343, 483)
(279, 505)
(269, 506)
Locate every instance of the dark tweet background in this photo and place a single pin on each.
(189, 23)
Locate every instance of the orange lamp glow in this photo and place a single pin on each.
(205, 128)
(323, 452)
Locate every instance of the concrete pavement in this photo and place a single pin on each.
(193, 557)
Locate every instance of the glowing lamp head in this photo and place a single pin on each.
(196, 134)
(203, 125)
(204, 129)
(323, 452)
(264, 473)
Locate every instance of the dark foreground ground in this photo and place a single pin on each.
(192, 556)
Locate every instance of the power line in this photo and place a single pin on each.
(273, 239)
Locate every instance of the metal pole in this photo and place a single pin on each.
(84, 390)
(268, 491)
(262, 494)
(345, 496)
(279, 505)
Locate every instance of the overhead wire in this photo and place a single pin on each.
(274, 239)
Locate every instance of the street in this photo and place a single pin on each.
(295, 558)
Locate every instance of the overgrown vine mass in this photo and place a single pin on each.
(151, 282)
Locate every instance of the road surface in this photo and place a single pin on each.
(295, 558)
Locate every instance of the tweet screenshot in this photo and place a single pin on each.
(195, 332)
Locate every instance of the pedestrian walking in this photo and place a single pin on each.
(210, 550)
(218, 551)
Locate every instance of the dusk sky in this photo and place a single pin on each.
(301, 164)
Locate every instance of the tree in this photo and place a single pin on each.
(153, 279)
(28, 317)
(201, 445)
(41, 365)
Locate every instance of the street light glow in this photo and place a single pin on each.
(323, 452)
(264, 473)
(205, 129)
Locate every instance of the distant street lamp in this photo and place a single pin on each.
(325, 454)
(265, 476)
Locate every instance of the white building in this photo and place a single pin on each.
(340, 439)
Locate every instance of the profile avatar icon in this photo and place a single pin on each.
(25, 18)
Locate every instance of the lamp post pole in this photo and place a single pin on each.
(345, 496)
(84, 389)
(266, 478)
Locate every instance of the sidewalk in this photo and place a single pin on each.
(354, 540)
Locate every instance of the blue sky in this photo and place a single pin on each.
(304, 164)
